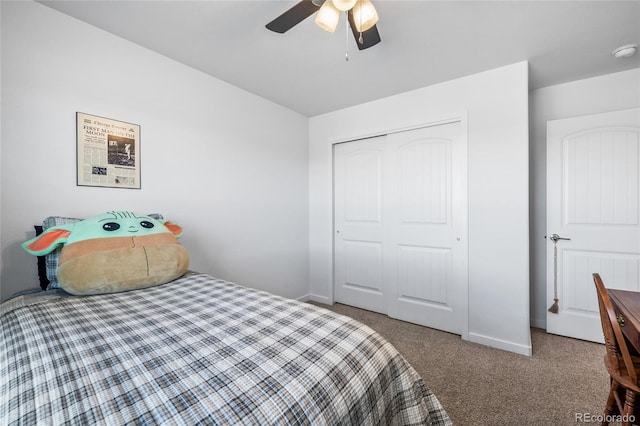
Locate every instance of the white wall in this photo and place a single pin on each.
(496, 106)
(590, 96)
(228, 166)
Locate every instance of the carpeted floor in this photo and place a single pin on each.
(562, 383)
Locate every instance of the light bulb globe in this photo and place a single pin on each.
(344, 5)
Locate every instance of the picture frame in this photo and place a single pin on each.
(107, 152)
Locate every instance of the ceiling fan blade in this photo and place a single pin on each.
(371, 37)
(293, 16)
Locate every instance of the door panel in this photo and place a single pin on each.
(424, 274)
(593, 189)
(427, 273)
(602, 179)
(363, 266)
(423, 181)
(362, 187)
(359, 225)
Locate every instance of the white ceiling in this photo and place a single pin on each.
(423, 43)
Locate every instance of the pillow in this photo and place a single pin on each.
(51, 259)
(115, 251)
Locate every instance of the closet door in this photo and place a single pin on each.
(360, 224)
(428, 227)
(400, 236)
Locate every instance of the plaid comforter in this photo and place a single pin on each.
(200, 350)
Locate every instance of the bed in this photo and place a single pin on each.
(200, 350)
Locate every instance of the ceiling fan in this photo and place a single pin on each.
(361, 15)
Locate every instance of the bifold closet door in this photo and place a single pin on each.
(401, 225)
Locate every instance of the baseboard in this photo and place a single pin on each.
(501, 344)
(320, 299)
(304, 298)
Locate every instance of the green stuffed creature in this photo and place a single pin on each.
(112, 252)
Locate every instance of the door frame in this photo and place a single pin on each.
(462, 118)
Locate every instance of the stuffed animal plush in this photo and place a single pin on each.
(112, 252)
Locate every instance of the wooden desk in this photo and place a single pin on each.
(626, 304)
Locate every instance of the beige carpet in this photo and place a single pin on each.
(561, 384)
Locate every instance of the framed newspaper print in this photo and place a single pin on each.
(108, 152)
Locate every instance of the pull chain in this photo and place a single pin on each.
(346, 39)
(361, 39)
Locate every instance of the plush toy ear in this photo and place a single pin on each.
(47, 241)
(175, 229)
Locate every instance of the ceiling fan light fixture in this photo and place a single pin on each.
(327, 17)
(343, 5)
(364, 15)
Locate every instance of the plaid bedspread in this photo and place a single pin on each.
(200, 350)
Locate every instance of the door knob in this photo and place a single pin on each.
(555, 238)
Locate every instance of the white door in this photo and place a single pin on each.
(401, 225)
(427, 266)
(360, 231)
(593, 190)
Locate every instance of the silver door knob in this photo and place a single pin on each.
(555, 238)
